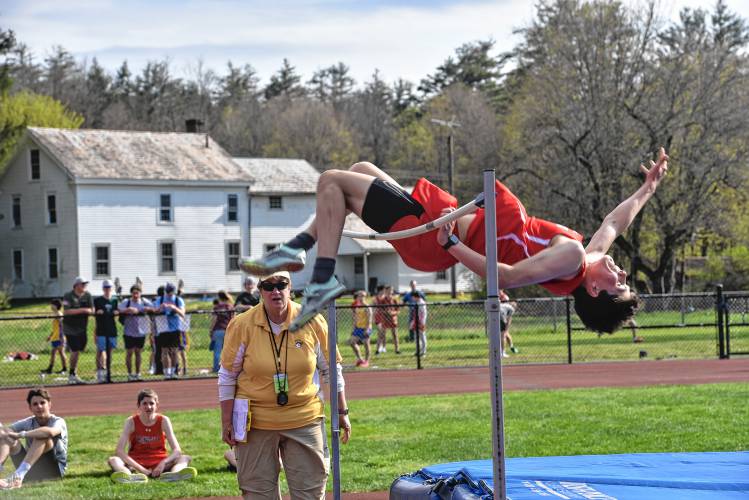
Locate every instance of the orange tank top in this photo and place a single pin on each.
(147, 442)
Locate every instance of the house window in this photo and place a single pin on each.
(52, 265)
(275, 202)
(18, 265)
(441, 275)
(358, 265)
(101, 260)
(165, 208)
(166, 257)
(232, 256)
(17, 211)
(232, 208)
(269, 247)
(51, 209)
(35, 164)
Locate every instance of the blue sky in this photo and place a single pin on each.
(407, 39)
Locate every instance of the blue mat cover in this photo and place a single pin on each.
(641, 476)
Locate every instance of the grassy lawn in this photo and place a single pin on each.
(400, 435)
(455, 337)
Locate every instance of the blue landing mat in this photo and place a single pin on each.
(641, 476)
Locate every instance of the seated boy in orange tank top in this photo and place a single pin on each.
(147, 433)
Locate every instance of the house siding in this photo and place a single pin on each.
(277, 226)
(126, 218)
(35, 236)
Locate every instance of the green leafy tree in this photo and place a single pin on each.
(26, 109)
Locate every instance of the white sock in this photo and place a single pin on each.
(23, 469)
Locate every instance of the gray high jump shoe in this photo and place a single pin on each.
(316, 297)
(282, 258)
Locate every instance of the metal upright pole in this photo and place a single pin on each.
(334, 428)
(451, 169)
(495, 342)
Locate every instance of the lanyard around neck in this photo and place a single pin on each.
(276, 348)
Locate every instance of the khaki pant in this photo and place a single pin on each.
(301, 450)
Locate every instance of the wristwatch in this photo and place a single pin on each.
(343, 411)
(451, 240)
(22, 434)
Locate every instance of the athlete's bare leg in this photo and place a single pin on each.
(348, 187)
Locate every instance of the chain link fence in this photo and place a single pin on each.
(681, 326)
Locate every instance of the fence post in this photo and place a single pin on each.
(721, 326)
(727, 327)
(569, 330)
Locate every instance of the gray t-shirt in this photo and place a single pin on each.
(136, 325)
(60, 448)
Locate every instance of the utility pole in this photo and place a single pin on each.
(450, 124)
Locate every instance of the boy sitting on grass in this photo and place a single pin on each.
(45, 436)
(147, 432)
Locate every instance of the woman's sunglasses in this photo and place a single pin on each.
(269, 287)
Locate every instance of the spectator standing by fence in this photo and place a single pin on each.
(506, 310)
(135, 328)
(250, 297)
(362, 328)
(78, 306)
(410, 298)
(223, 312)
(105, 308)
(419, 324)
(56, 339)
(169, 328)
(45, 454)
(388, 319)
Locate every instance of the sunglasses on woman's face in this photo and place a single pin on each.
(269, 287)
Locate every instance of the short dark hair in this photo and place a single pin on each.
(147, 393)
(605, 313)
(38, 391)
(57, 303)
(134, 288)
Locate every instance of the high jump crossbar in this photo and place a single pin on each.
(468, 208)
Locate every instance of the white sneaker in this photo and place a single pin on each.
(74, 380)
(505, 355)
(132, 378)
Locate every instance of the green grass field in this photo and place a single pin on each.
(399, 435)
(455, 337)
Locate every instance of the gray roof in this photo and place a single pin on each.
(128, 155)
(277, 175)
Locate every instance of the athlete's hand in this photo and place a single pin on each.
(657, 170)
(156, 472)
(445, 231)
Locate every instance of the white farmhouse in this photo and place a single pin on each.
(118, 204)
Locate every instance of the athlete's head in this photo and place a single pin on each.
(605, 313)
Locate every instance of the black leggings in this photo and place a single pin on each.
(387, 203)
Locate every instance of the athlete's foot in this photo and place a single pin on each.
(316, 297)
(282, 258)
(125, 478)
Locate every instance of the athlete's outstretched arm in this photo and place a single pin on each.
(561, 260)
(622, 216)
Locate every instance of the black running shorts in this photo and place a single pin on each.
(134, 342)
(386, 203)
(76, 343)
